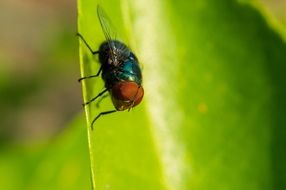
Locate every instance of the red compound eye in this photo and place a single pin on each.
(126, 95)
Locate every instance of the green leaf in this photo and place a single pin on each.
(213, 115)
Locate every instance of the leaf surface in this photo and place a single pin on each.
(214, 105)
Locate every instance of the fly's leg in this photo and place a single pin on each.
(102, 113)
(84, 41)
(93, 52)
(99, 101)
(91, 76)
(100, 94)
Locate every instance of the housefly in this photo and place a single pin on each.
(119, 69)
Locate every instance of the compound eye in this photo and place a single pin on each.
(126, 94)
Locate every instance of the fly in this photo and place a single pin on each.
(119, 69)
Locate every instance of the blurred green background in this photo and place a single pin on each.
(40, 95)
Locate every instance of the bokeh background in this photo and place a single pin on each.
(39, 92)
(39, 68)
(40, 96)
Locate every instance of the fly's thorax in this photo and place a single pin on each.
(113, 52)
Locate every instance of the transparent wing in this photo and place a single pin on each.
(107, 28)
(106, 25)
(110, 34)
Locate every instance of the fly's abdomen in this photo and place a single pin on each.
(128, 71)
